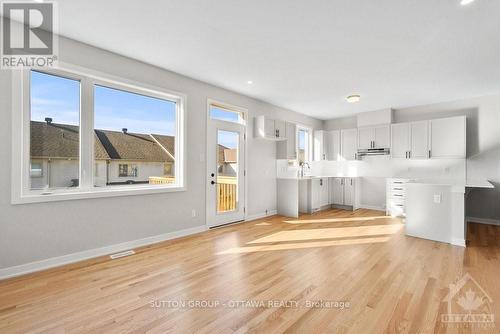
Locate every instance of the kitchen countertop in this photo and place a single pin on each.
(310, 177)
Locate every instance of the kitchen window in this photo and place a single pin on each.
(79, 130)
(304, 144)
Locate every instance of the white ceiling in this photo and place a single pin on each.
(307, 55)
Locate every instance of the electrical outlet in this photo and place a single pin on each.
(193, 213)
(437, 198)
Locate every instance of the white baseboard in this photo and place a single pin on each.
(487, 221)
(458, 242)
(372, 207)
(93, 253)
(261, 215)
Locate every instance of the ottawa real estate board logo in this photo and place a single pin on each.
(29, 34)
(468, 305)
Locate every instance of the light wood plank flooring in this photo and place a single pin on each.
(393, 283)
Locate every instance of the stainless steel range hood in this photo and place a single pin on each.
(372, 152)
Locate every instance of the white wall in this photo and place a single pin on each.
(34, 232)
(483, 144)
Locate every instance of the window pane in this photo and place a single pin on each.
(227, 171)
(134, 138)
(54, 131)
(302, 145)
(225, 115)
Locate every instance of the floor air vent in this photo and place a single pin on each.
(122, 254)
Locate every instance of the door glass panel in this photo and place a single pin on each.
(227, 171)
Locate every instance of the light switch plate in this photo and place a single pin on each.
(437, 198)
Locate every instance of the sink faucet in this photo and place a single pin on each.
(302, 168)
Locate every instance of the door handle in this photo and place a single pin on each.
(212, 175)
(212, 182)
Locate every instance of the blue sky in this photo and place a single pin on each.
(59, 98)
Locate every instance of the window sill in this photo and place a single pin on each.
(66, 195)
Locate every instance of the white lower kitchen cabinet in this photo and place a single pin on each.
(396, 197)
(344, 192)
(319, 194)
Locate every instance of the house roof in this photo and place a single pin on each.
(135, 146)
(61, 141)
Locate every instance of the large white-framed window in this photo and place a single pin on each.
(77, 132)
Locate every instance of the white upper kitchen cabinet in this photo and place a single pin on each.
(268, 128)
(419, 140)
(447, 137)
(333, 145)
(319, 142)
(410, 140)
(280, 128)
(382, 137)
(288, 149)
(400, 140)
(365, 138)
(349, 144)
(374, 137)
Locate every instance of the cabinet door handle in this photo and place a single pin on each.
(351, 182)
(409, 154)
(429, 153)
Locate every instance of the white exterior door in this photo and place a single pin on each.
(419, 140)
(400, 140)
(225, 172)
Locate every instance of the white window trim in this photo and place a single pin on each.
(20, 192)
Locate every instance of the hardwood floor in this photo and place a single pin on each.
(390, 282)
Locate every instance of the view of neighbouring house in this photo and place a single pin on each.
(228, 161)
(120, 157)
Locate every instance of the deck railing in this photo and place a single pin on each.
(161, 179)
(227, 190)
(227, 193)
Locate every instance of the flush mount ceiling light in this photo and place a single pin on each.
(353, 98)
(249, 82)
(466, 2)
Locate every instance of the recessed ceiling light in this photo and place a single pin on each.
(466, 2)
(353, 98)
(249, 82)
